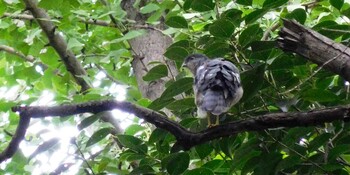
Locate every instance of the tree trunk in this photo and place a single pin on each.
(149, 48)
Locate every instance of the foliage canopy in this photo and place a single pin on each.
(243, 31)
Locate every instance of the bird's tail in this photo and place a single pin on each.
(214, 102)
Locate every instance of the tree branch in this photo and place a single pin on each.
(317, 48)
(58, 43)
(17, 137)
(186, 138)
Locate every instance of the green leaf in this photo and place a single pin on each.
(177, 87)
(319, 95)
(132, 143)
(182, 104)
(202, 5)
(253, 16)
(319, 141)
(177, 22)
(274, 3)
(338, 150)
(49, 5)
(160, 103)
(197, 171)
(3, 8)
(157, 135)
(145, 169)
(298, 14)
(133, 129)
(74, 43)
(288, 162)
(338, 4)
(252, 81)
(217, 49)
(176, 163)
(88, 121)
(250, 34)
(150, 7)
(214, 164)
(98, 136)
(187, 4)
(156, 73)
(222, 28)
(245, 2)
(203, 150)
(264, 50)
(176, 53)
(130, 35)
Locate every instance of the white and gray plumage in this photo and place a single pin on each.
(217, 85)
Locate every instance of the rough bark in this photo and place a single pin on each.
(148, 48)
(185, 138)
(317, 48)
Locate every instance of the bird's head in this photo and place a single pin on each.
(193, 61)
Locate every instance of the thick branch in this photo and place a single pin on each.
(17, 138)
(315, 47)
(58, 43)
(186, 138)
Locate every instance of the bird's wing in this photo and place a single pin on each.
(217, 83)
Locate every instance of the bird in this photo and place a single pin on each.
(217, 85)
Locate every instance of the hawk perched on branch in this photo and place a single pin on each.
(217, 85)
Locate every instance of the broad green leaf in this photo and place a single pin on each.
(145, 169)
(182, 43)
(177, 87)
(274, 3)
(217, 49)
(133, 129)
(196, 171)
(319, 141)
(150, 7)
(88, 121)
(2, 8)
(214, 164)
(202, 5)
(176, 163)
(187, 4)
(176, 53)
(177, 22)
(234, 15)
(245, 2)
(222, 28)
(160, 103)
(250, 34)
(319, 95)
(264, 50)
(298, 14)
(182, 104)
(288, 162)
(252, 80)
(130, 35)
(255, 15)
(98, 136)
(156, 73)
(337, 3)
(203, 150)
(132, 143)
(338, 150)
(47, 4)
(157, 135)
(74, 43)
